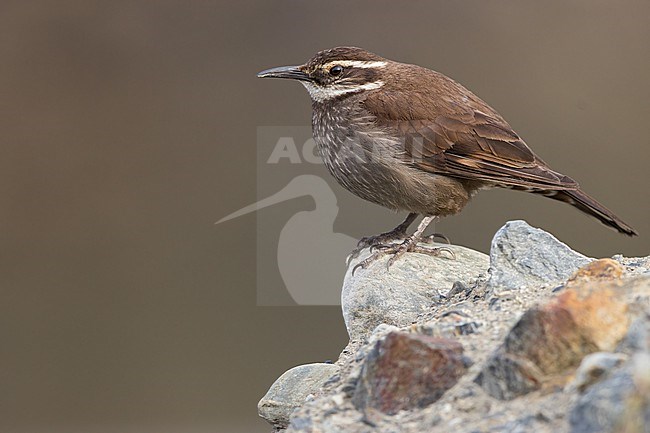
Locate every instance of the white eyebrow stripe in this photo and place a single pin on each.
(355, 64)
(323, 93)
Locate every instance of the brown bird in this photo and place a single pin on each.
(411, 139)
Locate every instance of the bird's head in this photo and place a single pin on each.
(335, 73)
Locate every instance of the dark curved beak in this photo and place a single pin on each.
(290, 72)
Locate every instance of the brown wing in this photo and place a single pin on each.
(447, 130)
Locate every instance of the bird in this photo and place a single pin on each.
(412, 139)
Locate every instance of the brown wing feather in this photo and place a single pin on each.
(454, 133)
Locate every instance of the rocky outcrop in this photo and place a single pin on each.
(554, 337)
(373, 296)
(547, 340)
(291, 390)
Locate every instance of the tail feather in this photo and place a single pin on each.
(591, 207)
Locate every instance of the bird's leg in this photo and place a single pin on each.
(397, 233)
(409, 245)
(387, 238)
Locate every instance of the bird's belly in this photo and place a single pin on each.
(390, 182)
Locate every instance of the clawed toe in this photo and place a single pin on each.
(436, 251)
(398, 250)
(375, 242)
(382, 240)
(384, 244)
(432, 238)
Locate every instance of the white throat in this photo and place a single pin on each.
(323, 93)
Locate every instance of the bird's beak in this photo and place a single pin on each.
(290, 72)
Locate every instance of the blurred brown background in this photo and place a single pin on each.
(128, 127)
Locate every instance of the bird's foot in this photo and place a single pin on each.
(383, 239)
(377, 241)
(397, 250)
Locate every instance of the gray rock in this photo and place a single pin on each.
(414, 282)
(638, 336)
(524, 256)
(620, 402)
(506, 376)
(593, 367)
(634, 265)
(449, 327)
(290, 391)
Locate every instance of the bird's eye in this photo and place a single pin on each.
(336, 70)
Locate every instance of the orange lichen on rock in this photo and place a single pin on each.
(598, 270)
(598, 310)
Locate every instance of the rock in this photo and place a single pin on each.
(598, 270)
(407, 371)
(450, 325)
(378, 334)
(634, 265)
(413, 283)
(593, 367)
(549, 339)
(524, 256)
(620, 402)
(599, 311)
(638, 336)
(291, 389)
(578, 334)
(507, 376)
